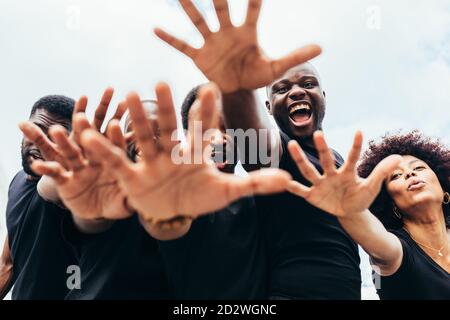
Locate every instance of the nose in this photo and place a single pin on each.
(297, 93)
(410, 174)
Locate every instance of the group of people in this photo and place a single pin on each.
(140, 225)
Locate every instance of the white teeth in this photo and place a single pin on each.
(299, 107)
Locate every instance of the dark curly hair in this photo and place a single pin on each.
(414, 143)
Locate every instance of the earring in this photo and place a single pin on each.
(397, 213)
(446, 198)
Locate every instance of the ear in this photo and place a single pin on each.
(268, 106)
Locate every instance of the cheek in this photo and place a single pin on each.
(395, 190)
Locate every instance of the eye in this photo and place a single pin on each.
(281, 90)
(419, 168)
(395, 176)
(308, 85)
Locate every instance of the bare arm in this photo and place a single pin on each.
(242, 111)
(383, 247)
(6, 270)
(340, 192)
(233, 59)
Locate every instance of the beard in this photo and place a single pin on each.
(27, 157)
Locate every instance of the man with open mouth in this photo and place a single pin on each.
(310, 254)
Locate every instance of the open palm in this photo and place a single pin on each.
(232, 57)
(85, 188)
(158, 186)
(340, 192)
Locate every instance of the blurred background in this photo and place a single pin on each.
(385, 64)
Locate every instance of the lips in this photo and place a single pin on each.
(300, 112)
(416, 185)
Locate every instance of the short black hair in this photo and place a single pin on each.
(414, 143)
(187, 104)
(59, 106)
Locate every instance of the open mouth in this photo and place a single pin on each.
(300, 113)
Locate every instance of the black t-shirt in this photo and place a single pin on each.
(221, 257)
(418, 278)
(39, 254)
(310, 254)
(122, 263)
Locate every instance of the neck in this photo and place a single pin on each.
(428, 228)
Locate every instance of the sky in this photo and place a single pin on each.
(385, 64)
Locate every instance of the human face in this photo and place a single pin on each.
(29, 150)
(222, 147)
(297, 101)
(413, 184)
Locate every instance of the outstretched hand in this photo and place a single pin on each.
(160, 188)
(340, 192)
(232, 57)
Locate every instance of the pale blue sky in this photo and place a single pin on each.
(385, 64)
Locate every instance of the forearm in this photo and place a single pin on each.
(46, 188)
(242, 111)
(382, 246)
(165, 231)
(6, 271)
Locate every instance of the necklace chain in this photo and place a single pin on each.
(428, 247)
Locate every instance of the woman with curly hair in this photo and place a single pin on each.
(404, 180)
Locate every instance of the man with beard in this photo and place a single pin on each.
(38, 254)
(310, 255)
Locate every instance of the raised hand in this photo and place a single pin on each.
(82, 184)
(88, 190)
(232, 57)
(340, 192)
(158, 187)
(49, 150)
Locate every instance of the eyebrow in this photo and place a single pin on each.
(414, 161)
(287, 81)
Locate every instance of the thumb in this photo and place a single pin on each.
(381, 172)
(295, 58)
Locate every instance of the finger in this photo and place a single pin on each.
(120, 111)
(327, 160)
(223, 13)
(115, 134)
(196, 18)
(33, 133)
(354, 154)
(298, 189)
(112, 157)
(68, 149)
(102, 109)
(52, 169)
(262, 182)
(178, 44)
(253, 11)
(299, 56)
(380, 173)
(167, 120)
(79, 123)
(80, 105)
(306, 168)
(143, 132)
(209, 112)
